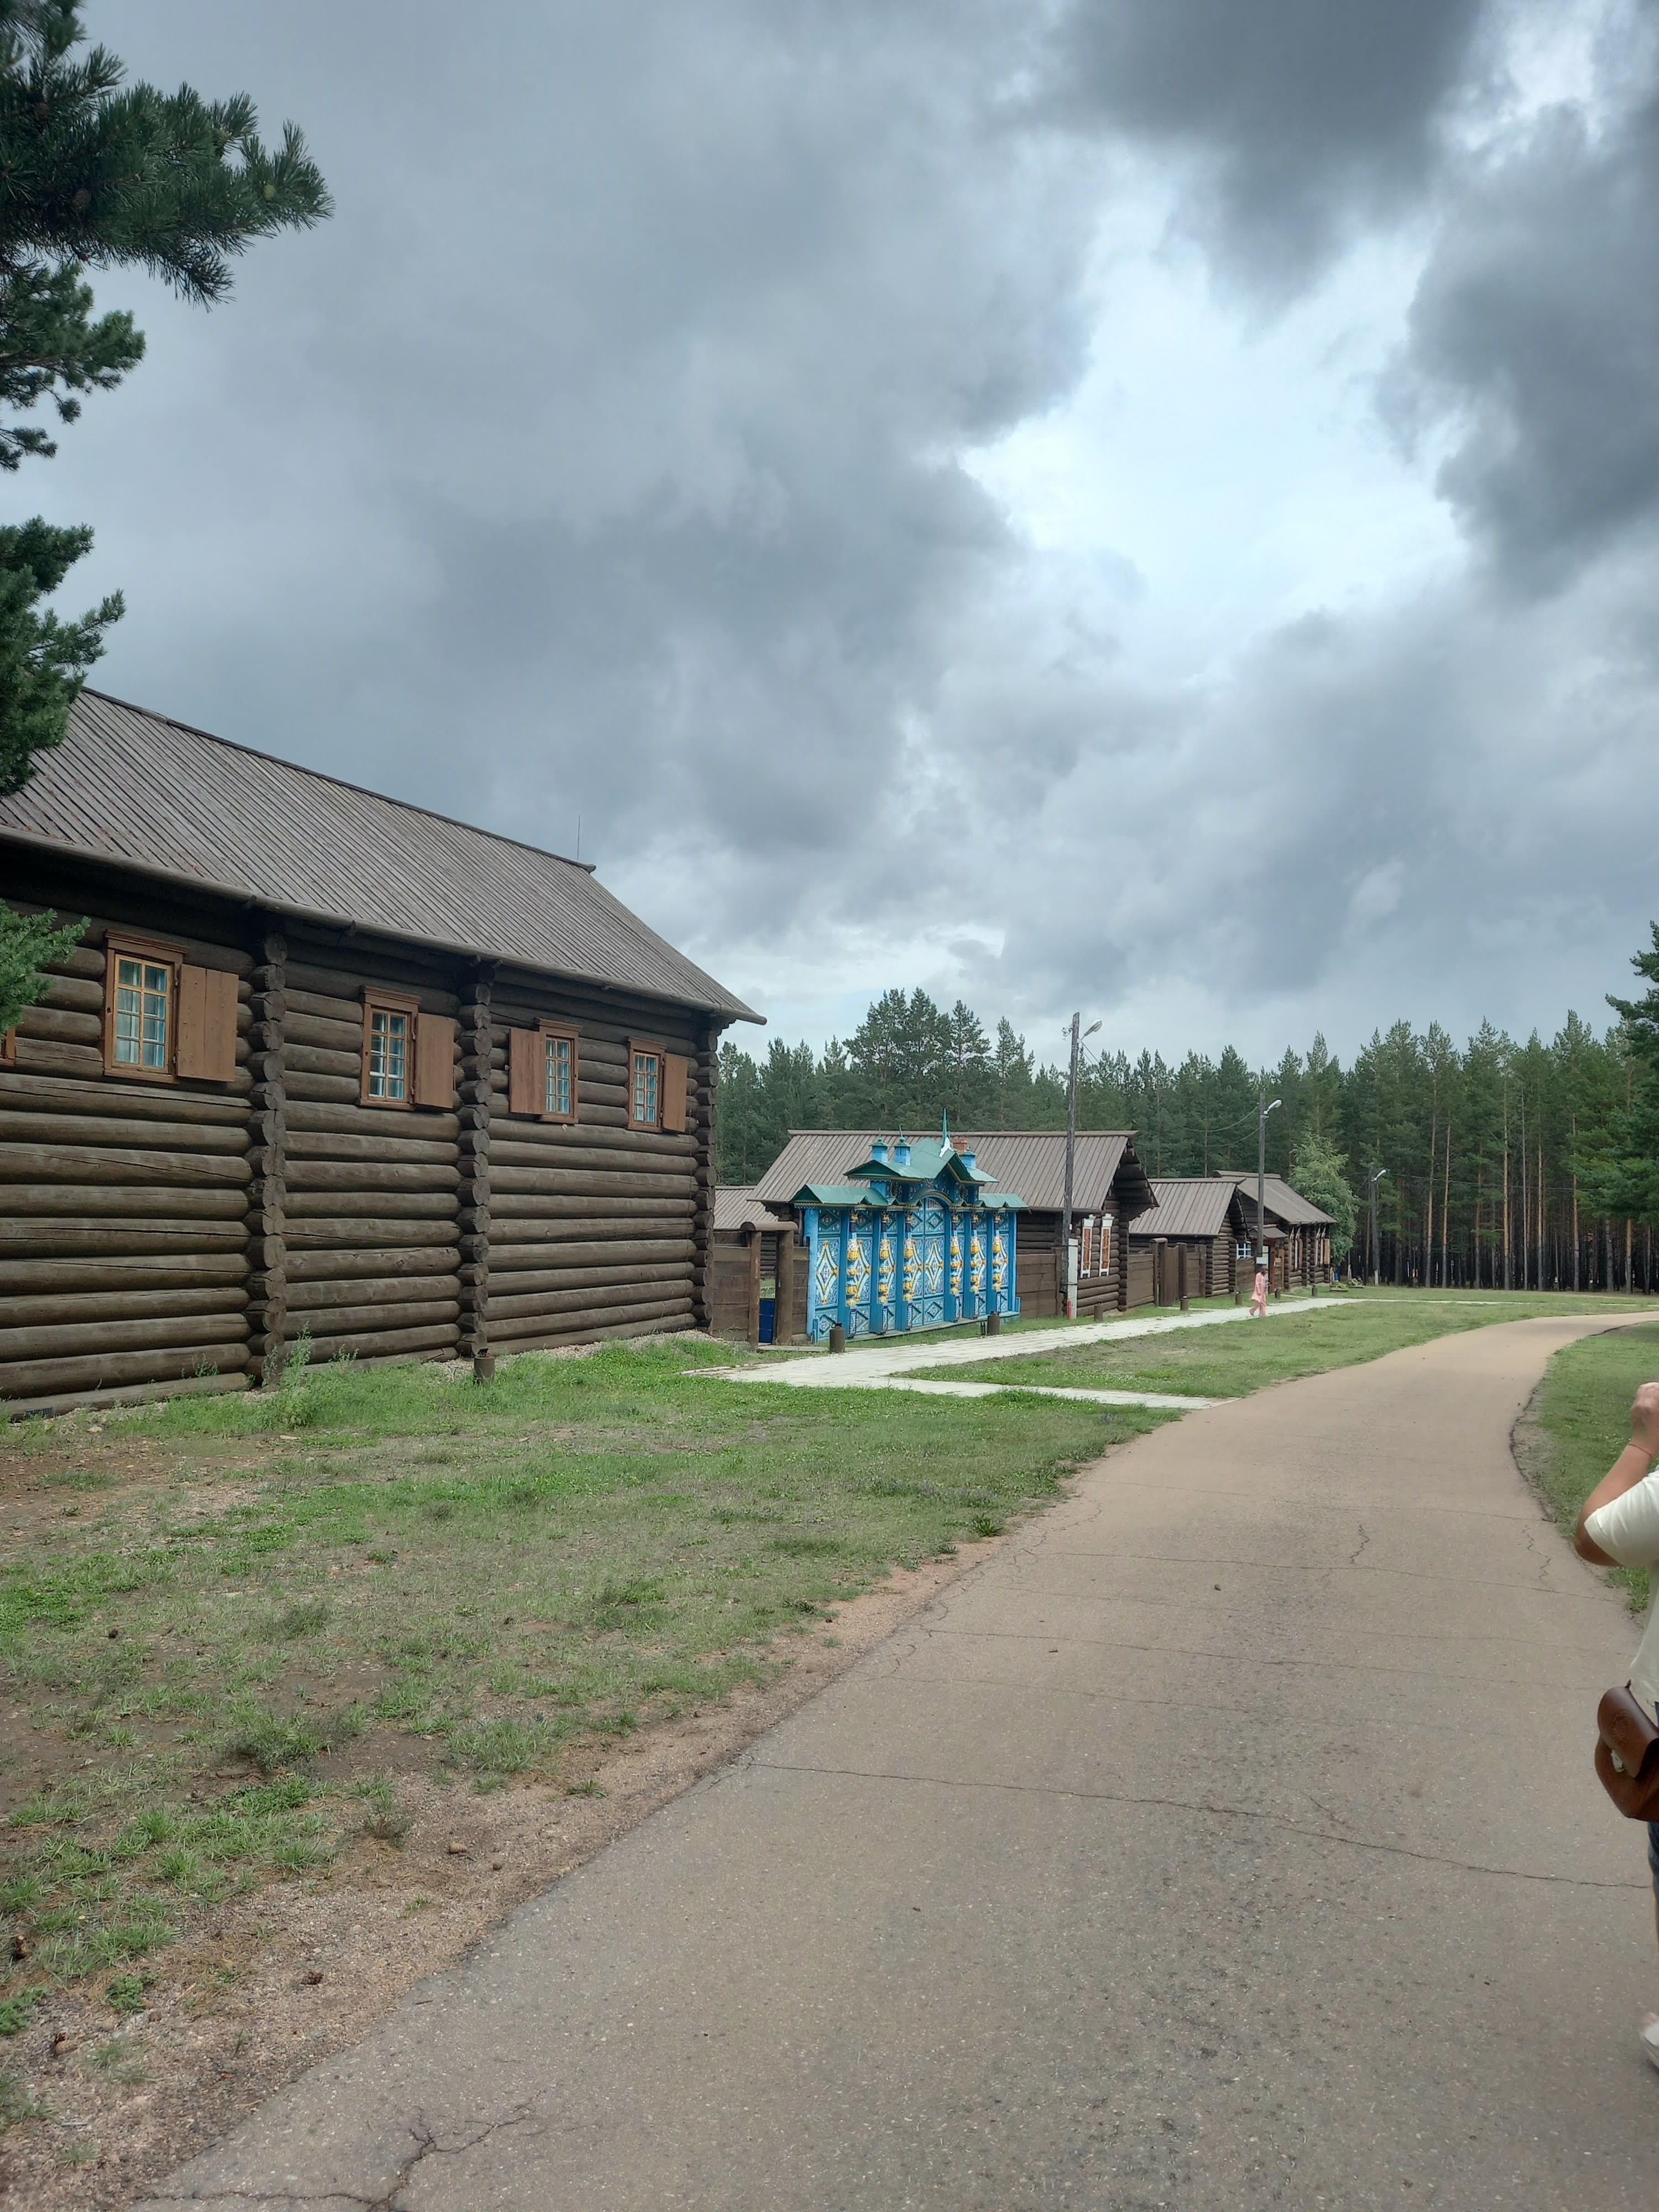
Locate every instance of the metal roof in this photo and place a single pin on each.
(736, 1205)
(1187, 1206)
(141, 791)
(1031, 1162)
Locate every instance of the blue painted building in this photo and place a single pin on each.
(912, 1239)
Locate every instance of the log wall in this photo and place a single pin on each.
(160, 1236)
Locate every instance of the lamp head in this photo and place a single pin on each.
(1093, 1027)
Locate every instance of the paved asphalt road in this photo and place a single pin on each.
(1229, 1841)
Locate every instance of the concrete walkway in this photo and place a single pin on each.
(889, 1363)
(1228, 1840)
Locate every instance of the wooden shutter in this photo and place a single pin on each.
(435, 1061)
(676, 1079)
(526, 1072)
(206, 1050)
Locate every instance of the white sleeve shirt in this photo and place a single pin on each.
(1628, 1531)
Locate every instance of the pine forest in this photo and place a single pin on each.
(1505, 1164)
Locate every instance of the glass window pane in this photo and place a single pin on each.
(144, 992)
(388, 1043)
(558, 1075)
(645, 1088)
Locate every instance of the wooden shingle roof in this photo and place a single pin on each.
(137, 790)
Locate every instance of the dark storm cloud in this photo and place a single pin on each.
(1535, 330)
(1303, 119)
(604, 459)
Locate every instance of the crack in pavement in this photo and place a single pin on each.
(1365, 1539)
(1191, 1805)
(426, 2145)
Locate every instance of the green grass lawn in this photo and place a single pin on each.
(1579, 1422)
(227, 1626)
(1237, 1358)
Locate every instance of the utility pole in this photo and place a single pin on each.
(1263, 1110)
(1377, 1174)
(1068, 1279)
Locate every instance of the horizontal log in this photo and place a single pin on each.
(383, 1205)
(321, 1060)
(79, 995)
(62, 1025)
(37, 1128)
(553, 1197)
(112, 1302)
(564, 1292)
(304, 1087)
(517, 1144)
(355, 1233)
(177, 1274)
(126, 1201)
(441, 1337)
(305, 1173)
(508, 1263)
(347, 985)
(416, 1262)
(93, 1163)
(85, 960)
(343, 1035)
(557, 1181)
(40, 1056)
(600, 1298)
(351, 1321)
(22, 1092)
(50, 1340)
(134, 1394)
(581, 1217)
(526, 1331)
(310, 1144)
(26, 1378)
(46, 1238)
(363, 1290)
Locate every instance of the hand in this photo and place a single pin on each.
(1644, 1420)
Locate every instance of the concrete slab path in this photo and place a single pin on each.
(1229, 1840)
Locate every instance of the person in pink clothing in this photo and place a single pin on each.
(1259, 1296)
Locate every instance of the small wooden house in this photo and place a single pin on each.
(1108, 1183)
(329, 1069)
(1213, 1218)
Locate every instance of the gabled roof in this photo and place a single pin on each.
(1187, 1206)
(736, 1205)
(141, 791)
(1279, 1199)
(1031, 1162)
(930, 1158)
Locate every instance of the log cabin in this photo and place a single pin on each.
(1213, 1218)
(328, 1071)
(1107, 1183)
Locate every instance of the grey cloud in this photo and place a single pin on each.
(1304, 119)
(1535, 334)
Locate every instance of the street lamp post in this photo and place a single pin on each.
(1261, 1173)
(1377, 1174)
(1068, 1288)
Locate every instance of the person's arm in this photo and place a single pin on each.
(1633, 1465)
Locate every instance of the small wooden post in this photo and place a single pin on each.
(1181, 1277)
(783, 1299)
(993, 1322)
(751, 1237)
(837, 1337)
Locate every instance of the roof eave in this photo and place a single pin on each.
(733, 1009)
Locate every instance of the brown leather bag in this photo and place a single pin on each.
(1627, 1755)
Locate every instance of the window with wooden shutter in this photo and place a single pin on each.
(644, 1065)
(1103, 1246)
(676, 1091)
(206, 1046)
(543, 1072)
(1086, 1263)
(435, 1061)
(140, 1008)
(390, 1024)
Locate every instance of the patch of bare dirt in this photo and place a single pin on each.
(288, 1974)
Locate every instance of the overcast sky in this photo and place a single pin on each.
(1150, 505)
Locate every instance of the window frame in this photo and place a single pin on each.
(376, 1000)
(152, 952)
(548, 1032)
(645, 1048)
